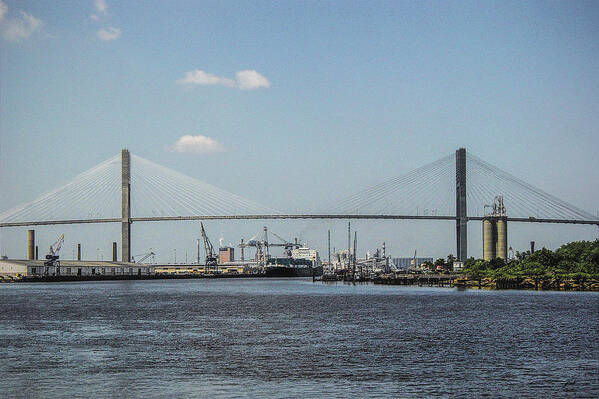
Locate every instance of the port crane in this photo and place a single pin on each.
(262, 245)
(52, 257)
(143, 257)
(208, 248)
(288, 246)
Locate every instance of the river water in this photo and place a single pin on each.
(291, 338)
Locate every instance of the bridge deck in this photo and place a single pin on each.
(284, 216)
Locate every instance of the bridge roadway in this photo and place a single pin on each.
(283, 216)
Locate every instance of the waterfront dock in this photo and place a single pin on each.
(421, 280)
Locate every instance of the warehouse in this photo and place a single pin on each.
(36, 268)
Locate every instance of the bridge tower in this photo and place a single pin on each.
(460, 202)
(125, 206)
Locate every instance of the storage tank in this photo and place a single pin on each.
(30, 244)
(501, 231)
(488, 239)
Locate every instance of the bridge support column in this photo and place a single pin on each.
(460, 201)
(125, 207)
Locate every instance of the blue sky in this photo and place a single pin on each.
(341, 95)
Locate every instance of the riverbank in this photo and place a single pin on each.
(464, 281)
(539, 285)
(423, 280)
(99, 277)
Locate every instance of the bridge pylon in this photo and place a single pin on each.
(125, 206)
(460, 202)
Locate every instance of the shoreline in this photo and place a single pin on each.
(62, 279)
(419, 281)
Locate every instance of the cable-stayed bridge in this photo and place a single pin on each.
(127, 189)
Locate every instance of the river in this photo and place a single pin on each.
(285, 338)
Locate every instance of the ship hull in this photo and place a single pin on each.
(285, 271)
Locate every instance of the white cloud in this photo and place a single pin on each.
(250, 80)
(3, 10)
(100, 6)
(20, 27)
(94, 17)
(198, 77)
(244, 80)
(196, 144)
(109, 33)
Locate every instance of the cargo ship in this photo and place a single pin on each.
(291, 267)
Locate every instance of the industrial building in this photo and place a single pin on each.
(36, 268)
(226, 255)
(52, 266)
(406, 263)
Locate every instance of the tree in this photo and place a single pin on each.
(450, 260)
(429, 265)
(534, 270)
(578, 261)
(477, 271)
(496, 263)
(520, 256)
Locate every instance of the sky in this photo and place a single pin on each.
(292, 104)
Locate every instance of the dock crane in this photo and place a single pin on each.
(52, 257)
(208, 248)
(143, 257)
(263, 245)
(288, 246)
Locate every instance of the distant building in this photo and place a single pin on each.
(225, 255)
(307, 253)
(339, 261)
(406, 263)
(457, 266)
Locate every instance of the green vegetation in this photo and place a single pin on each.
(572, 266)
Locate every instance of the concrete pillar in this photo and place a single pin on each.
(532, 247)
(460, 201)
(501, 243)
(78, 251)
(125, 206)
(30, 244)
(114, 256)
(488, 239)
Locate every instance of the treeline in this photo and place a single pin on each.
(576, 262)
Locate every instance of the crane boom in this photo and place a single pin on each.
(55, 248)
(208, 248)
(52, 257)
(143, 257)
(146, 256)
